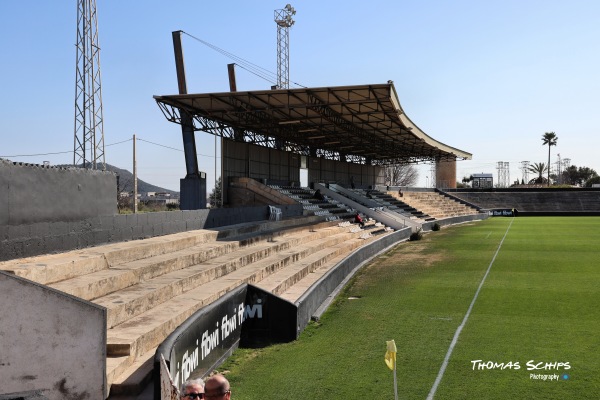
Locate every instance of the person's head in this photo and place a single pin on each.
(192, 389)
(217, 388)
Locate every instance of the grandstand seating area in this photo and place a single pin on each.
(435, 204)
(419, 206)
(545, 200)
(151, 286)
(395, 203)
(329, 208)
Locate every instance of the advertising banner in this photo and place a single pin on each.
(503, 213)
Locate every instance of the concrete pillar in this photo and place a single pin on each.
(193, 193)
(445, 174)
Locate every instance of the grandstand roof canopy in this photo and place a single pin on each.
(362, 121)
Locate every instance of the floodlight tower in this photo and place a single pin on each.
(89, 121)
(503, 174)
(525, 170)
(284, 21)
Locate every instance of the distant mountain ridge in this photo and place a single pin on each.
(125, 182)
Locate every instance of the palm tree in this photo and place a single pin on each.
(549, 139)
(538, 168)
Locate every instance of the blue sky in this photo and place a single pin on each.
(487, 77)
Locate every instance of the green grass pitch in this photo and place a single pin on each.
(536, 317)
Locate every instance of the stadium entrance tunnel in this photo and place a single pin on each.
(245, 317)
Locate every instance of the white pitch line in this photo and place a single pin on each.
(440, 375)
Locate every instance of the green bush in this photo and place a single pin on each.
(416, 235)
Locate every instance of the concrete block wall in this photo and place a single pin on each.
(31, 193)
(51, 237)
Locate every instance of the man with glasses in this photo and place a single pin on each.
(217, 388)
(192, 389)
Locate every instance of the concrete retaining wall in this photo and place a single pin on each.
(51, 237)
(325, 287)
(51, 342)
(454, 220)
(35, 193)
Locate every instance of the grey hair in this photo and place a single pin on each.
(191, 382)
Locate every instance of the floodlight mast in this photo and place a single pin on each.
(89, 121)
(284, 21)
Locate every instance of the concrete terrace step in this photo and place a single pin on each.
(294, 292)
(101, 283)
(148, 329)
(281, 281)
(136, 299)
(186, 249)
(135, 377)
(53, 268)
(143, 333)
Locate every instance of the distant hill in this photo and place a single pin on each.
(125, 182)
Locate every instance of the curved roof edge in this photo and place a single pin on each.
(419, 133)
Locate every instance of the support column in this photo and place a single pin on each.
(193, 186)
(238, 134)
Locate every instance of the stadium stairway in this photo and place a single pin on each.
(380, 210)
(395, 203)
(329, 208)
(149, 287)
(435, 204)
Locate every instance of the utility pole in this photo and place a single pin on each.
(135, 202)
(89, 121)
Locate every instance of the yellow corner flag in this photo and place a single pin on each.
(390, 354)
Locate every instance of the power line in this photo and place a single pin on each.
(254, 73)
(240, 60)
(59, 152)
(161, 145)
(171, 148)
(112, 144)
(249, 66)
(40, 154)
